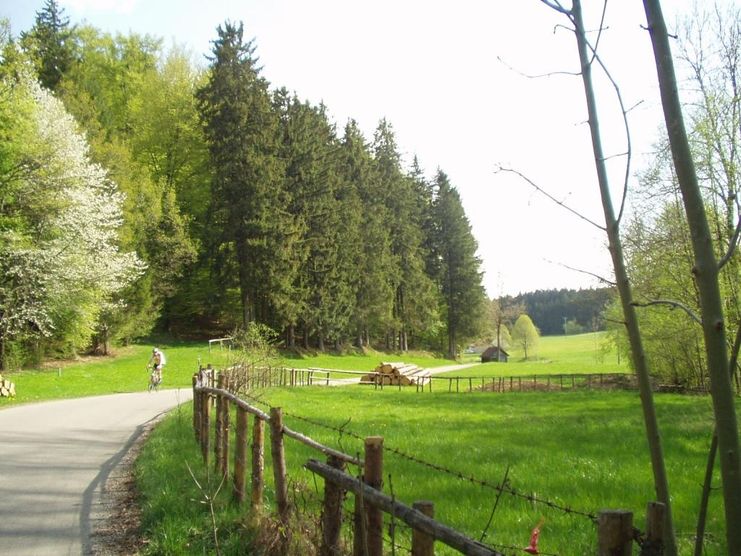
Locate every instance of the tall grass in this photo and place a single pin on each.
(581, 450)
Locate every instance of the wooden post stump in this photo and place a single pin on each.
(653, 544)
(279, 463)
(373, 476)
(240, 456)
(615, 533)
(422, 543)
(258, 463)
(332, 513)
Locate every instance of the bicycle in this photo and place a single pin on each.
(155, 379)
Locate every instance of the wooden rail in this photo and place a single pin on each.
(219, 341)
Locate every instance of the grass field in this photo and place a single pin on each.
(125, 370)
(582, 354)
(582, 450)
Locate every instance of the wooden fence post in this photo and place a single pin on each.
(205, 404)
(615, 533)
(219, 434)
(332, 513)
(422, 543)
(258, 463)
(240, 456)
(373, 477)
(196, 409)
(279, 463)
(653, 544)
(225, 428)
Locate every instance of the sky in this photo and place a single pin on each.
(470, 87)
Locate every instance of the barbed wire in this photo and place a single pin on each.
(520, 549)
(504, 487)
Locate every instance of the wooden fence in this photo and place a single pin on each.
(615, 528)
(266, 377)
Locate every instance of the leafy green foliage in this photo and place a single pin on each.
(525, 334)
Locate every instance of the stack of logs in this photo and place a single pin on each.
(7, 388)
(404, 374)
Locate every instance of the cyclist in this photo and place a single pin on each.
(156, 362)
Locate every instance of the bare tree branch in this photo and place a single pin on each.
(732, 244)
(601, 28)
(672, 304)
(624, 113)
(548, 195)
(556, 5)
(582, 271)
(536, 76)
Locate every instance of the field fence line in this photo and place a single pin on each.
(343, 430)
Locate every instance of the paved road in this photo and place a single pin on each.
(55, 458)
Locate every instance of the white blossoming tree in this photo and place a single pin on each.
(61, 258)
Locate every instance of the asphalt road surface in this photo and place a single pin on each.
(55, 458)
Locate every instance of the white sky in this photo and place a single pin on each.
(442, 73)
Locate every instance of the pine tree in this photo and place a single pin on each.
(372, 314)
(413, 290)
(324, 284)
(460, 275)
(50, 40)
(242, 131)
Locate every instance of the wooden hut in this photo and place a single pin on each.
(494, 353)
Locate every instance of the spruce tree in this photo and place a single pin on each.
(372, 314)
(413, 290)
(50, 41)
(242, 132)
(460, 275)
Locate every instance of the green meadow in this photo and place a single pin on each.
(590, 353)
(125, 369)
(584, 451)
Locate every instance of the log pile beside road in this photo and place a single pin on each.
(395, 374)
(7, 388)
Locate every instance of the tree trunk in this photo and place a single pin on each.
(291, 336)
(244, 285)
(640, 364)
(705, 271)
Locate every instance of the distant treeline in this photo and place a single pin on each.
(565, 311)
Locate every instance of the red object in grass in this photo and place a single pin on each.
(532, 548)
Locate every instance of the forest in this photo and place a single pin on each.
(140, 192)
